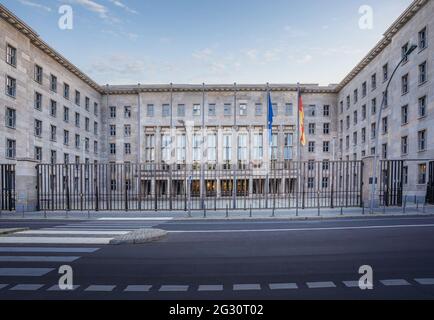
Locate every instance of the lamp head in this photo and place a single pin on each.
(411, 49)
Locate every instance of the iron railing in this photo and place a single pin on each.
(7, 187)
(153, 187)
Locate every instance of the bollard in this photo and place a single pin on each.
(319, 211)
(384, 209)
(363, 209)
(417, 205)
(88, 214)
(204, 211)
(424, 207)
(251, 215)
(227, 211)
(404, 205)
(45, 214)
(342, 211)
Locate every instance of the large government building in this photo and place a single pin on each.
(54, 113)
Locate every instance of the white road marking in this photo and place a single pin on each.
(24, 272)
(320, 285)
(246, 287)
(27, 287)
(351, 284)
(53, 240)
(57, 288)
(2, 286)
(169, 288)
(203, 288)
(100, 288)
(425, 282)
(137, 288)
(47, 250)
(70, 232)
(283, 286)
(306, 229)
(395, 282)
(37, 259)
(136, 219)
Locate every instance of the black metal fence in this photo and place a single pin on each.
(7, 185)
(152, 187)
(430, 189)
(391, 182)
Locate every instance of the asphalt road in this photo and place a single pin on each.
(235, 260)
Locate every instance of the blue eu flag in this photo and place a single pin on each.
(270, 116)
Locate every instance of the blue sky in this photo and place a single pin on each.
(212, 41)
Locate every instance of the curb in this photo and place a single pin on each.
(140, 236)
(280, 218)
(5, 232)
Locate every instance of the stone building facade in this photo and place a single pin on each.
(53, 113)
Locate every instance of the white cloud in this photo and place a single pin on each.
(305, 59)
(34, 5)
(123, 6)
(294, 32)
(252, 54)
(94, 7)
(272, 55)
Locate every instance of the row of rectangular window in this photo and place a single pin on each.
(11, 59)
(227, 111)
(53, 157)
(211, 139)
(422, 109)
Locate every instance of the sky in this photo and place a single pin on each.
(211, 41)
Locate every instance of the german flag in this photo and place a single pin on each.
(301, 119)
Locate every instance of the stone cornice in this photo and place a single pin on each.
(135, 89)
(385, 41)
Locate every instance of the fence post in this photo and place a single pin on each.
(26, 185)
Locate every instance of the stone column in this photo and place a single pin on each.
(368, 172)
(25, 185)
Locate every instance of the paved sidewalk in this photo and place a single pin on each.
(411, 210)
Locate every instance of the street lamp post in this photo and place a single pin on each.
(377, 129)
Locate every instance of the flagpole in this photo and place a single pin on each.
(267, 180)
(298, 123)
(299, 182)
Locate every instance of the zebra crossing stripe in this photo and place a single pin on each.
(425, 282)
(27, 287)
(46, 250)
(37, 259)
